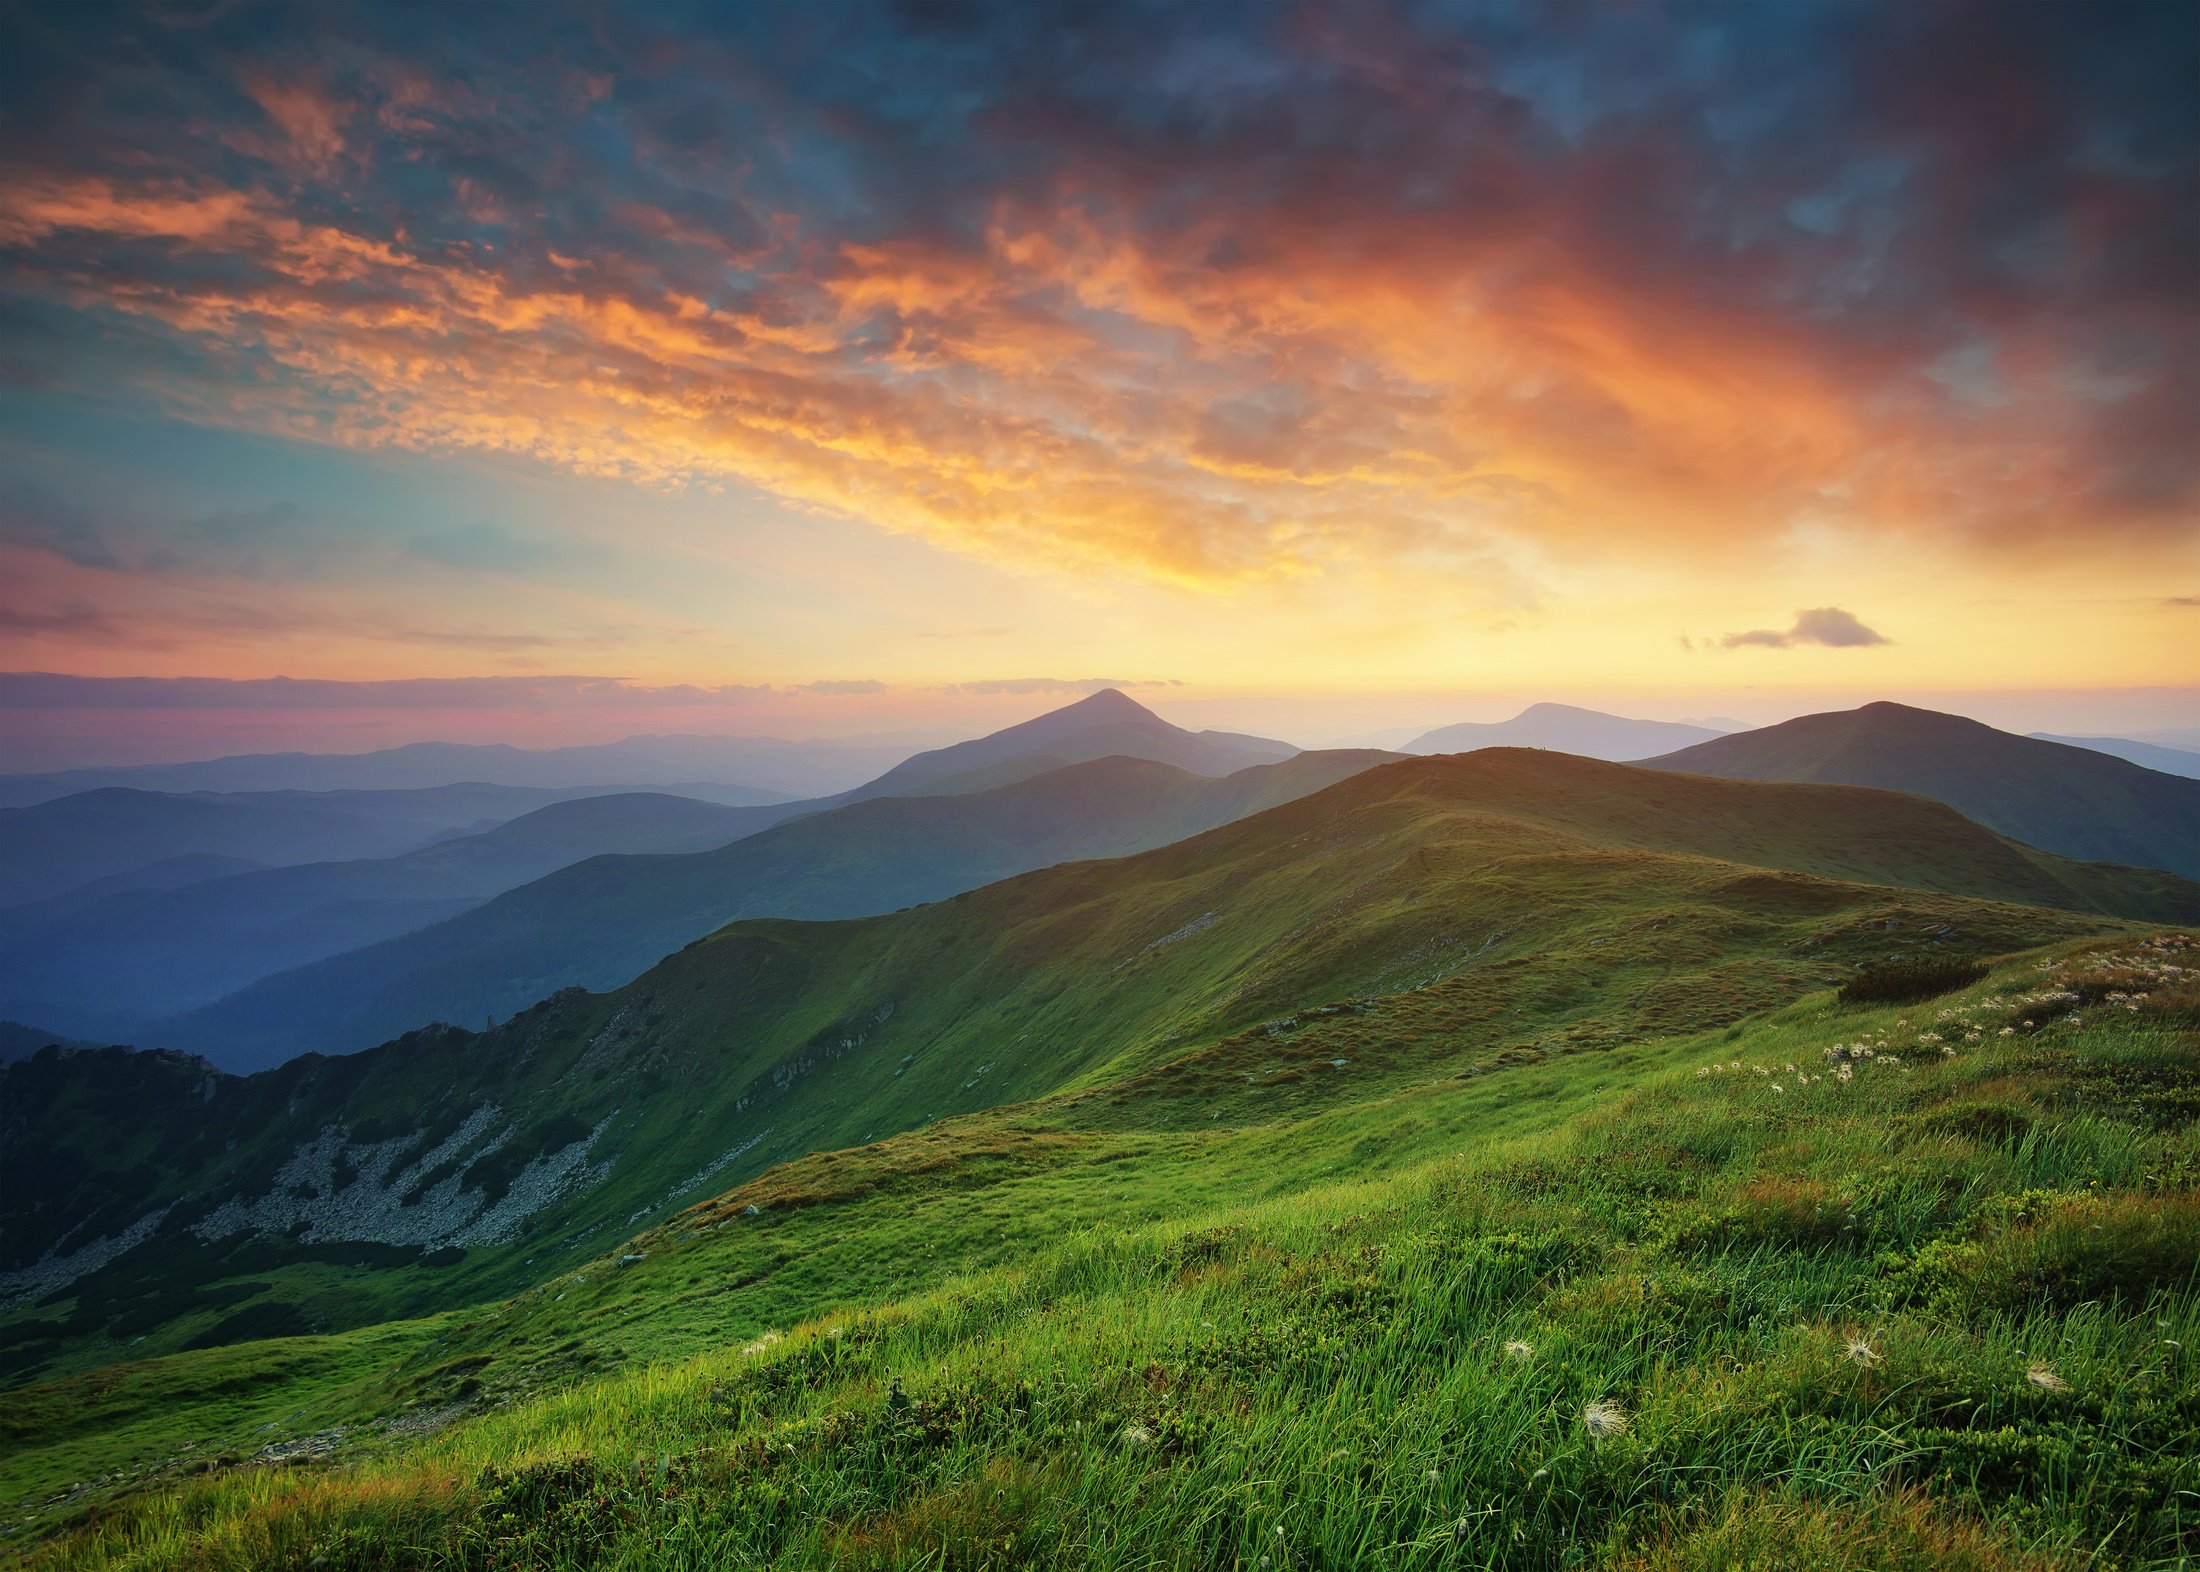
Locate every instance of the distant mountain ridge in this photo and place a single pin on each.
(2147, 755)
(62, 844)
(19, 1040)
(112, 963)
(2073, 801)
(1108, 724)
(598, 923)
(1562, 728)
(108, 965)
(767, 769)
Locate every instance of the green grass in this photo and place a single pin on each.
(1928, 1301)
(1427, 918)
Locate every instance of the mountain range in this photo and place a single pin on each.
(122, 836)
(140, 962)
(2150, 755)
(598, 923)
(1387, 921)
(107, 962)
(2075, 801)
(258, 965)
(766, 768)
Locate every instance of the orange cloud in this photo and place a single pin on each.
(1066, 391)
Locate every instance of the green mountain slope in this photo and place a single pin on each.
(2074, 801)
(1623, 1247)
(1403, 918)
(600, 922)
(110, 966)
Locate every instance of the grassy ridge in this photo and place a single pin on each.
(1425, 912)
(1830, 1286)
(2071, 800)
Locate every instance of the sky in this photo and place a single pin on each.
(550, 373)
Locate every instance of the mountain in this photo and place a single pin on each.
(109, 963)
(1417, 922)
(2148, 755)
(601, 922)
(778, 769)
(66, 843)
(2069, 800)
(128, 964)
(1108, 724)
(1564, 729)
(18, 1041)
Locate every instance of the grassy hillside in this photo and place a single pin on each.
(1827, 1286)
(601, 922)
(1507, 901)
(2073, 801)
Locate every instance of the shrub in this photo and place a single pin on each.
(1909, 980)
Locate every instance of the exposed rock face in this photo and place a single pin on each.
(377, 1207)
(54, 1270)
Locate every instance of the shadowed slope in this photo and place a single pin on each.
(2074, 801)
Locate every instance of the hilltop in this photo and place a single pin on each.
(2074, 801)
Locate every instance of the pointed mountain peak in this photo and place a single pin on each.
(1109, 704)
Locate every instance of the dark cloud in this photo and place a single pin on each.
(1180, 282)
(1826, 625)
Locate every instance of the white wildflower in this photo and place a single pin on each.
(1604, 1418)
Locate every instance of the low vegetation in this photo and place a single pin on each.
(1829, 1286)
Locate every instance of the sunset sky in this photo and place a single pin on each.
(844, 368)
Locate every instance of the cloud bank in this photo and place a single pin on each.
(1200, 295)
